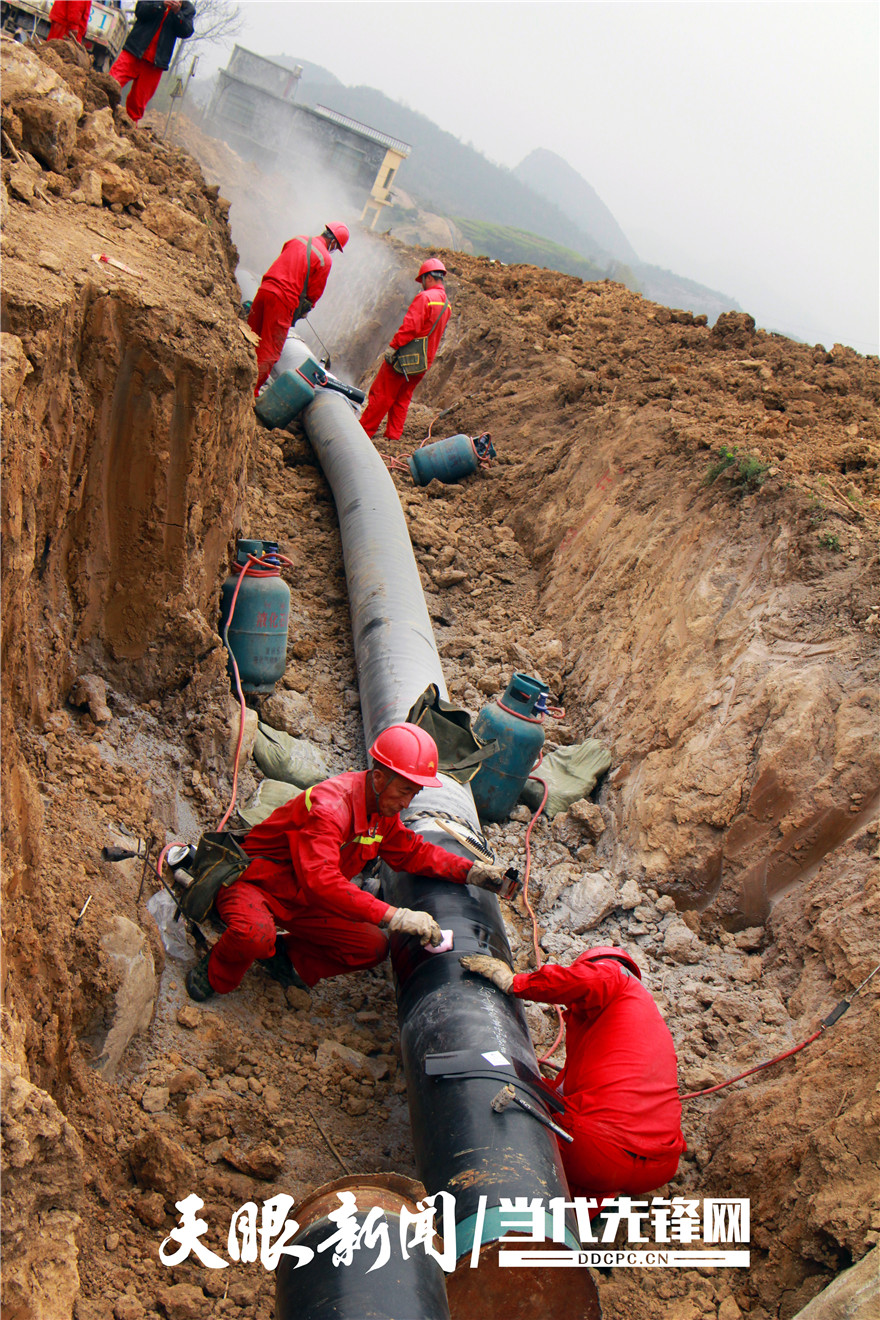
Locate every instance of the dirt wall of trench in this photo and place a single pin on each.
(126, 421)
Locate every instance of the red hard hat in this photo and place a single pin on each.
(340, 232)
(430, 267)
(409, 752)
(608, 951)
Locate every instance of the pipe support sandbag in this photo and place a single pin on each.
(461, 1146)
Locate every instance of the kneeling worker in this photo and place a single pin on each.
(619, 1082)
(305, 856)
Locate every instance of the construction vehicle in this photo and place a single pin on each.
(105, 35)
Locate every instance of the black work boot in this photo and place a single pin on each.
(198, 986)
(281, 969)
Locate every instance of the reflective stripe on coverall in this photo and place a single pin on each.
(619, 1083)
(309, 850)
(391, 392)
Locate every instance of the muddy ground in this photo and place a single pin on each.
(718, 633)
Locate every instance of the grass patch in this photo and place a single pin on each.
(743, 471)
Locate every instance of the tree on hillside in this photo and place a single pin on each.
(216, 20)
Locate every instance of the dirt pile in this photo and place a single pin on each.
(719, 637)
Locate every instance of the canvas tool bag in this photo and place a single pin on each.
(460, 751)
(412, 359)
(219, 861)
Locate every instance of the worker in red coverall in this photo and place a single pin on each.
(305, 857)
(391, 391)
(289, 289)
(147, 52)
(619, 1082)
(69, 18)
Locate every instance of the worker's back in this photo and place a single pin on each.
(621, 1067)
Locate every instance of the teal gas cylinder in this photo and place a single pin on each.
(449, 460)
(257, 633)
(293, 388)
(516, 722)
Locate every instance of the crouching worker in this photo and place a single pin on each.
(305, 856)
(619, 1082)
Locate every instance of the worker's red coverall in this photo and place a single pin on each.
(69, 18)
(148, 50)
(305, 856)
(391, 392)
(619, 1083)
(283, 287)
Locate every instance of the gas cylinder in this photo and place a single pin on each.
(257, 632)
(450, 459)
(516, 722)
(292, 385)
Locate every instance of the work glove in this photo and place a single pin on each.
(390, 356)
(303, 310)
(421, 924)
(493, 969)
(492, 877)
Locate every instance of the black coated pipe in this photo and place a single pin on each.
(460, 1145)
(407, 1285)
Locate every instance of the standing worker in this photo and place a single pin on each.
(147, 52)
(69, 18)
(289, 289)
(619, 1082)
(410, 354)
(305, 856)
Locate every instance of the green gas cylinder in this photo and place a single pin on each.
(516, 722)
(253, 622)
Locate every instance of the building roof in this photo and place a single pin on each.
(363, 130)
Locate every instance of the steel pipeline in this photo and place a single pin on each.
(460, 1145)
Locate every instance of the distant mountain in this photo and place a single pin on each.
(311, 73)
(663, 286)
(552, 177)
(556, 180)
(543, 212)
(448, 177)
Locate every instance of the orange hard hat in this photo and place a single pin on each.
(608, 951)
(409, 752)
(340, 232)
(433, 266)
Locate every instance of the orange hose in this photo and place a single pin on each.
(539, 960)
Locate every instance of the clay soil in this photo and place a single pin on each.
(679, 535)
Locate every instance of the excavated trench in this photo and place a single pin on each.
(719, 637)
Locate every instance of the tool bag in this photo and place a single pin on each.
(412, 359)
(460, 750)
(219, 861)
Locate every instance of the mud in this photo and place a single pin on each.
(719, 636)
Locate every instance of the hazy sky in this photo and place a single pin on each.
(736, 144)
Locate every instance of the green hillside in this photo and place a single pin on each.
(513, 246)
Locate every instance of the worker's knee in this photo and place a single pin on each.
(251, 935)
